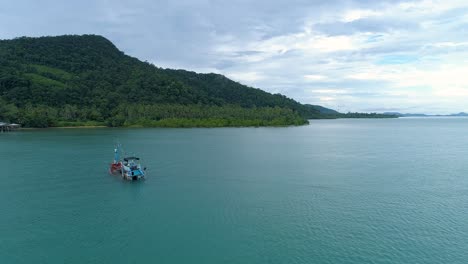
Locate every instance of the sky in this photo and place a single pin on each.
(367, 56)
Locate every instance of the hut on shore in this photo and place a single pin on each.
(6, 127)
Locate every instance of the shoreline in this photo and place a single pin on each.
(203, 125)
(136, 127)
(63, 127)
(308, 122)
(71, 127)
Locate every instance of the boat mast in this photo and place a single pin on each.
(117, 154)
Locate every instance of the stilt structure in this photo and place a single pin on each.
(6, 127)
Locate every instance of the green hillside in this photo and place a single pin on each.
(323, 110)
(85, 80)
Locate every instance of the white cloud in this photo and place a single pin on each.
(315, 77)
(327, 91)
(353, 15)
(431, 6)
(246, 77)
(449, 44)
(330, 44)
(443, 77)
(326, 98)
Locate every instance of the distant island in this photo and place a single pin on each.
(422, 115)
(85, 80)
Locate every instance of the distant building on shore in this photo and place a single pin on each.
(6, 127)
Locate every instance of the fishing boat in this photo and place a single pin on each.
(129, 168)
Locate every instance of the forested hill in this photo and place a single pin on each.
(70, 80)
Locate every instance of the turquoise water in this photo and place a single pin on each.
(336, 191)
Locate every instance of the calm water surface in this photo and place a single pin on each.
(336, 191)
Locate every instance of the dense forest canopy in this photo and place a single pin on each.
(86, 80)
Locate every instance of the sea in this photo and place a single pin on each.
(334, 191)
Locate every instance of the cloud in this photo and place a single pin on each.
(248, 77)
(315, 77)
(353, 15)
